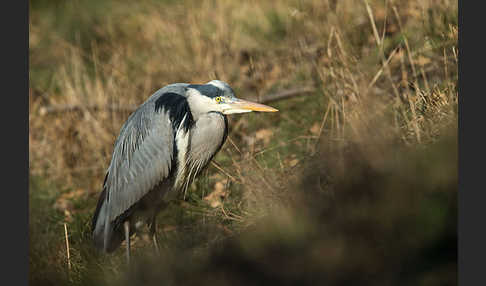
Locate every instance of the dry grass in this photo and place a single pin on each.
(384, 73)
(175, 44)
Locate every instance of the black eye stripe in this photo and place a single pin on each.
(207, 90)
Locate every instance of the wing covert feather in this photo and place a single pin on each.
(142, 157)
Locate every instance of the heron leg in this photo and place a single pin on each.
(126, 226)
(153, 234)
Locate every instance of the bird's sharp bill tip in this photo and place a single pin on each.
(253, 106)
(262, 109)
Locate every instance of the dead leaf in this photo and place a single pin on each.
(264, 135)
(215, 198)
(398, 57)
(422, 61)
(315, 129)
(293, 162)
(64, 202)
(379, 13)
(216, 177)
(68, 216)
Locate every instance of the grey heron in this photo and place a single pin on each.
(164, 144)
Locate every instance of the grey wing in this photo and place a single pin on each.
(142, 158)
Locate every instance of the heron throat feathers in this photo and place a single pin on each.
(182, 139)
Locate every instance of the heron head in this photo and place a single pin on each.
(218, 96)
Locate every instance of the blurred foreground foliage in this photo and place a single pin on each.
(368, 223)
(392, 223)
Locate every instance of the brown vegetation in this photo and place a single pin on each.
(381, 81)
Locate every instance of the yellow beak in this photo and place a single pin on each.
(241, 106)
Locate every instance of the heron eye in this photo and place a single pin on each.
(218, 99)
